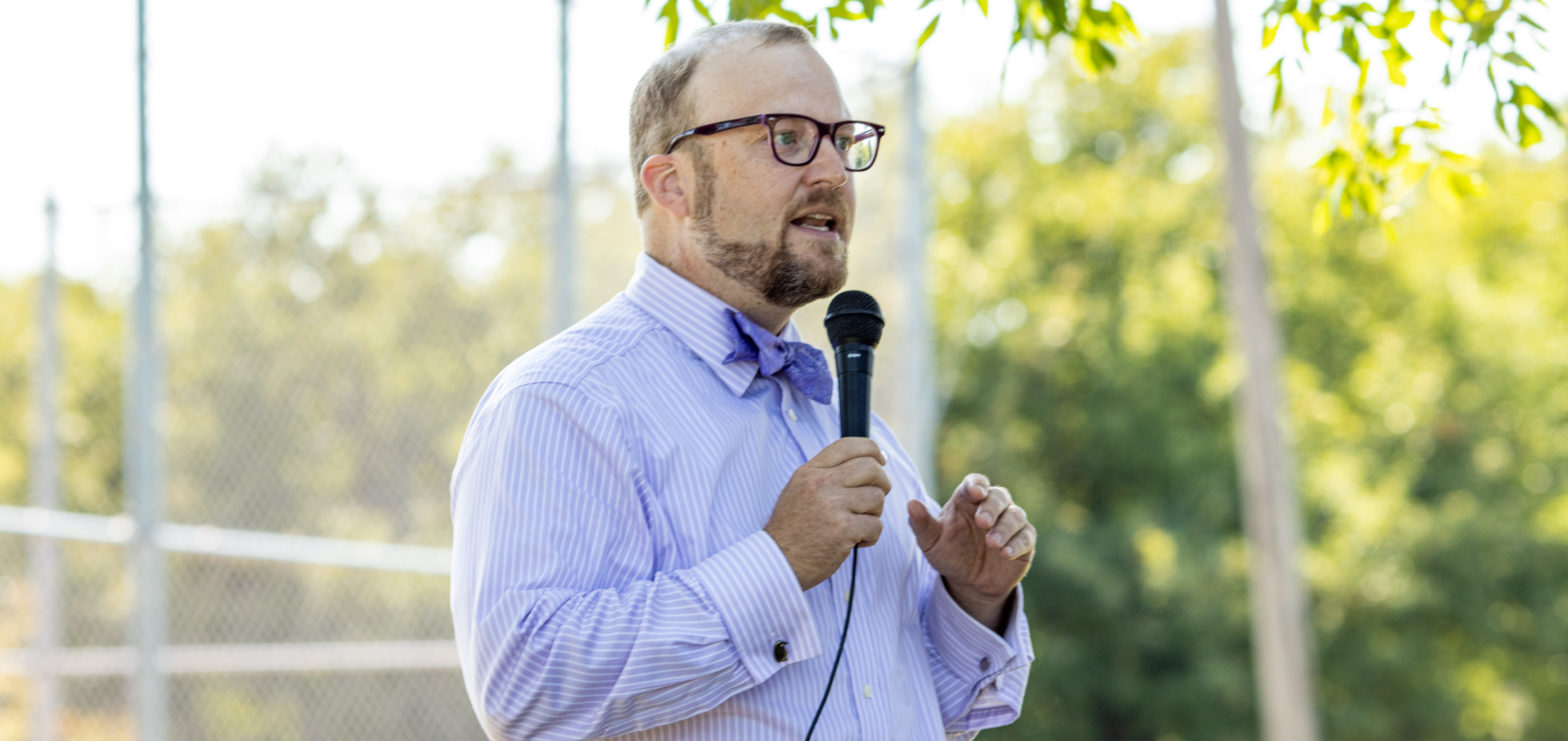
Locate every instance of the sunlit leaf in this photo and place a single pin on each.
(1398, 19)
(1123, 19)
(1529, 133)
(1524, 95)
(1516, 58)
(672, 22)
(1395, 58)
(702, 10)
(1437, 28)
(926, 34)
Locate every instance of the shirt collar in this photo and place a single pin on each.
(696, 318)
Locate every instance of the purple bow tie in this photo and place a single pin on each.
(802, 365)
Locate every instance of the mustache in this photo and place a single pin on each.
(830, 198)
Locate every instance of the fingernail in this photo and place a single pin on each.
(1012, 551)
(995, 539)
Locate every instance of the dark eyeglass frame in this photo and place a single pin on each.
(824, 131)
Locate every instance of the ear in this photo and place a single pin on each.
(661, 177)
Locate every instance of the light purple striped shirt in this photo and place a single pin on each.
(611, 577)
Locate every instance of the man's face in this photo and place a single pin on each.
(782, 231)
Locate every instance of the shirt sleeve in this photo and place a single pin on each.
(980, 676)
(566, 625)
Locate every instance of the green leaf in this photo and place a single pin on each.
(1279, 96)
(1349, 45)
(1269, 31)
(1397, 19)
(672, 22)
(1515, 58)
(1437, 28)
(985, 8)
(1395, 57)
(702, 10)
(1528, 21)
(1529, 133)
(1328, 108)
(1123, 19)
(926, 34)
(1103, 57)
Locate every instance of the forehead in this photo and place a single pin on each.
(740, 79)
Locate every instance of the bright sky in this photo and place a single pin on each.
(412, 97)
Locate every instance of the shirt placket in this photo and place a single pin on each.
(814, 427)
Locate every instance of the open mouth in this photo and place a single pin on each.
(823, 224)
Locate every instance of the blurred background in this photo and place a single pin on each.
(357, 224)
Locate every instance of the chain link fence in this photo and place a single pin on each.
(321, 357)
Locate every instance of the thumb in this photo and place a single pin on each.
(927, 530)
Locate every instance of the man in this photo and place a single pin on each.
(650, 531)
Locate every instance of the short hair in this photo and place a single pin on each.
(661, 107)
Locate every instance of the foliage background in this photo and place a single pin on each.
(321, 375)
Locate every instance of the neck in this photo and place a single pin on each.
(680, 256)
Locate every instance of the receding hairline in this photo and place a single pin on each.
(671, 75)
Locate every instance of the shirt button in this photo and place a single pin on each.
(791, 414)
(985, 663)
(781, 651)
(847, 595)
(866, 690)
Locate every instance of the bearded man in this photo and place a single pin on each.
(652, 510)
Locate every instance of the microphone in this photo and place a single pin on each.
(854, 323)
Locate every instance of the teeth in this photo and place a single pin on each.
(816, 222)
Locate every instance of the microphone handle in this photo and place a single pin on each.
(854, 362)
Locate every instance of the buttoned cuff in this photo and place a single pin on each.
(761, 604)
(972, 650)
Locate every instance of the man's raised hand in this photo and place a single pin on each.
(981, 543)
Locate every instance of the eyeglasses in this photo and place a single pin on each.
(795, 138)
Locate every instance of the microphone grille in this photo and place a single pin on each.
(853, 316)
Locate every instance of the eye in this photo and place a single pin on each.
(784, 138)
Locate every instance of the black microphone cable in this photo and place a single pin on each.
(854, 324)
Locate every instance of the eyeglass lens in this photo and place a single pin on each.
(795, 139)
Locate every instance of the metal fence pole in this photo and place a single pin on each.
(44, 553)
(920, 397)
(143, 445)
(1281, 635)
(565, 236)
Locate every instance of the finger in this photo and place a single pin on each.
(1011, 521)
(970, 492)
(1022, 543)
(846, 449)
(868, 529)
(927, 530)
(988, 511)
(866, 500)
(862, 472)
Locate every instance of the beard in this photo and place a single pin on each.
(768, 267)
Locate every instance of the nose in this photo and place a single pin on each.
(827, 167)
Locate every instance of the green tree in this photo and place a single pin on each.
(1091, 370)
